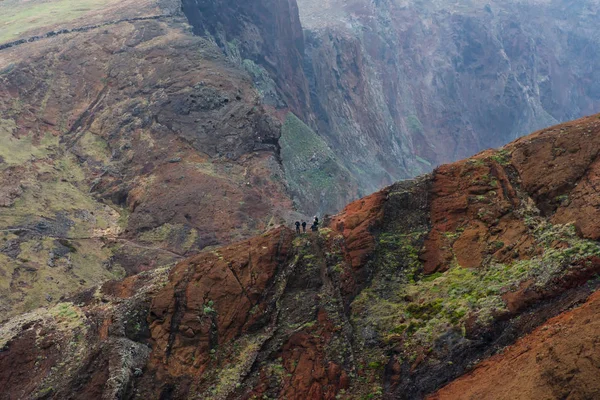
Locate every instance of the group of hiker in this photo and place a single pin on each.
(314, 227)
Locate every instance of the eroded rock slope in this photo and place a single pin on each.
(125, 146)
(401, 293)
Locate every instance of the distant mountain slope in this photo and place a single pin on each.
(400, 85)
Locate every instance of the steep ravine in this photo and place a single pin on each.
(398, 87)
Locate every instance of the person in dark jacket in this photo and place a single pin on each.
(316, 223)
(304, 226)
(298, 227)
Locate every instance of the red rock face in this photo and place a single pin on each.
(281, 315)
(309, 375)
(559, 167)
(476, 201)
(357, 223)
(18, 364)
(208, 300)
(557, 360)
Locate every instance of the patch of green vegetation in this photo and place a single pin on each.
(19, 17)
(375, 365)
(17, 151)
(502, 157)
(208, 308)
(67, 316)
(562, 199)
(376, 392)
(123, 220)
(311, 168)
(414, 124)
(432, 277)
(451, 235)
(231, 375)
(45, 392)
(420, 309)
(174, 234)
(48, 198)
(497, 245)
(399, 253)
(95, 147)
(157, 235)
(476, 162)
(303, 150)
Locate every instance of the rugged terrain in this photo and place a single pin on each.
(136, 133)
(403, 292)
(140, 139)
(400, 85)
(124, 145)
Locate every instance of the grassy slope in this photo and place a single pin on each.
(50, 236)
(312, 170)
(18, 17)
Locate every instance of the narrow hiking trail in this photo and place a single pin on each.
(86, 28)
(106, 238)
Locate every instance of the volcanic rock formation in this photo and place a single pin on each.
(401, 293)
(136, 133)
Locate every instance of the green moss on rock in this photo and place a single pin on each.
(405, 306)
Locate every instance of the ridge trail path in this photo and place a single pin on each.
(110, 238)
(86, 28)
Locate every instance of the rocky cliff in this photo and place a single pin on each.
(399, 86)
(401, 293)
(265, 37)
(265, 40)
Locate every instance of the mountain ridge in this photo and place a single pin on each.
(355, 310)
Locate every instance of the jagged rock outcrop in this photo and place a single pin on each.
(401, 293)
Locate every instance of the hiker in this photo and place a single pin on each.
(297, 227)
(303, 226)
(316, 223)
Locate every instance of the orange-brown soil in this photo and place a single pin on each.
(559, 360)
